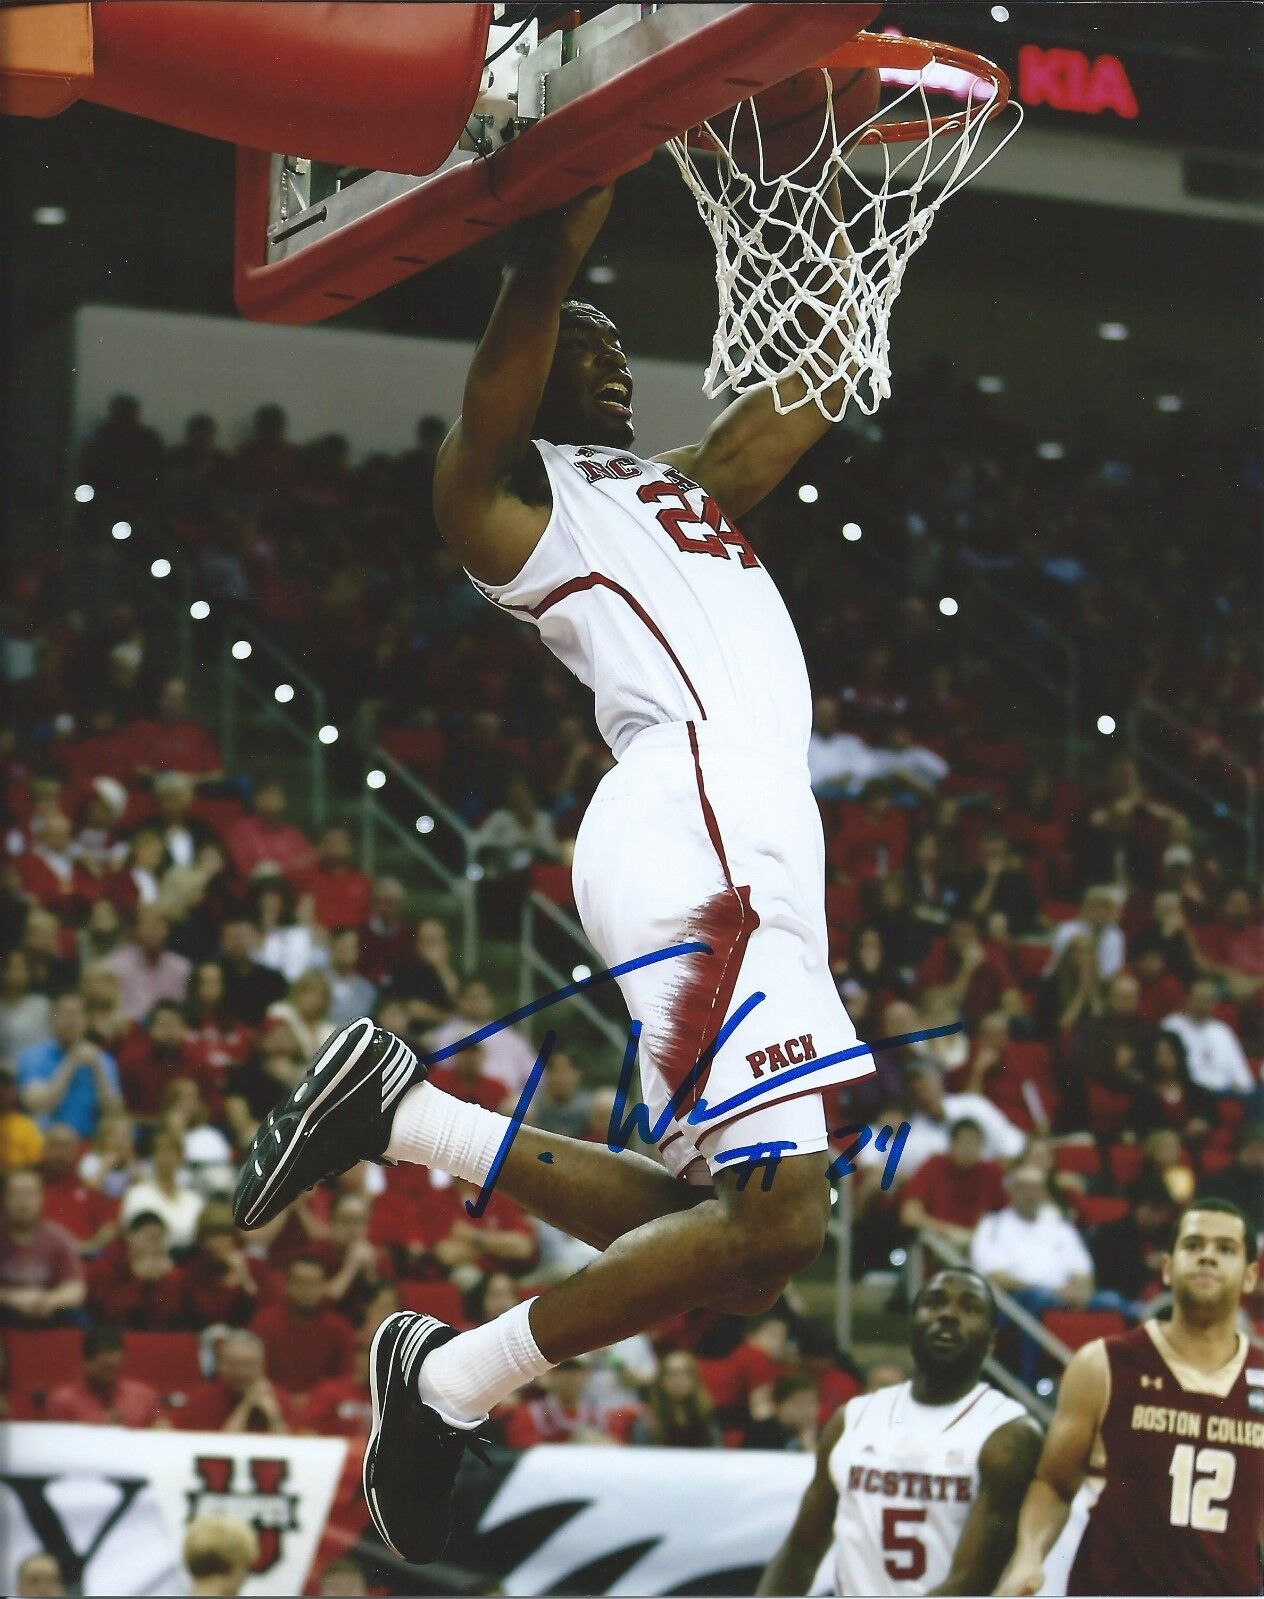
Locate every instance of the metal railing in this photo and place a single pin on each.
(433, 816)
(235, 685)
(1172, 731)
(533, 964)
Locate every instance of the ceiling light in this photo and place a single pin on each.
(376, 778)
(1113, 332)
(283, 693)
(160, 568)
(1169, 403)
(242, 650)
(425, 824)
(989, 383)
(851, 531)
(85, 494)
(601, 272)
(948, 606)
(121, 531)
(808, 493)
(1000, 14)
(328, 734)
(580, 974)
(49, 216)
(199, 610)
(1106, 724)
(1051, 450)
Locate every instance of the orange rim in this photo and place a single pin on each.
(912, 55)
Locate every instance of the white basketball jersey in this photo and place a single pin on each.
(646, 591)
(907, 1476)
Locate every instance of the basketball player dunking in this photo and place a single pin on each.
(706, 830)
(1167, 1425)
(919, 1485)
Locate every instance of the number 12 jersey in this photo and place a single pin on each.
(1180, 1469)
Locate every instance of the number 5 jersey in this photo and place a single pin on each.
(1179, 1474)
(907, 1476)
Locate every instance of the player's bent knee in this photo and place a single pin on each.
(754, 1301)
(783, 1226)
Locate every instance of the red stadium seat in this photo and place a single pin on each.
(435, 1299)
(1084, 1159)
(1092, 1210)
(842, 905)
(1079, 1327)
(167, 1361)
(1107, 1111)
(554, 882)
(1215, 1160)
(421, 747)
(40, 1362)
(1059, 910)
(1125, 1163)
(1001, 757)
(1028, 960)
(219, 814)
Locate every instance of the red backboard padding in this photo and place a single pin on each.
(363, 84)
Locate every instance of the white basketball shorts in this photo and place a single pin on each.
(695, 837)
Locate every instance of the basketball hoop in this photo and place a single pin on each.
(794, 277)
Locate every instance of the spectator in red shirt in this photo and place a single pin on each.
(356, 1266)
(41, 1276)
(463, 1077)
(387, 937)
(342, 1407)
(138, 881)
(136, 1284)
(971, 976)
(303, 1339)
(267, 839)
(153, 1057)
(872, 839)
(84, 1211)
(221, 1282)
(341, 895)
(173, 741)
(565, 1414)
(102, 1396)
(950, 1194)
(819, 1357)
(239, 1398)
(1160, 992)
(744, 1380)
(1234, 942)
(51, 874)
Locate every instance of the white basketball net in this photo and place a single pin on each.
(796, 280)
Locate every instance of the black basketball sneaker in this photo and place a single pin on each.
(339, 1114)
(412, 1457)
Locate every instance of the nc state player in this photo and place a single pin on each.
(919, 1485)
(705, 832)
(1167, 1424)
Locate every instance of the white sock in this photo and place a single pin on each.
(432, 1128)
(476, 1370)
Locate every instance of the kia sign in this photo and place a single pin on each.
(1067, 80)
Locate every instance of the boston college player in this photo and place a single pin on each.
(706, 832)
(919, 1485)
(1167, 1424)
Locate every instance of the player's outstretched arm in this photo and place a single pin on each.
(1063, 1464)
(490, 527)
(791, 1569)
(1007, 1462)
(752, 445)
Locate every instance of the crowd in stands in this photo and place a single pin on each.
(173, 947)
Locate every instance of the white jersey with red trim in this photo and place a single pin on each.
(907, 1477)
(650, 595)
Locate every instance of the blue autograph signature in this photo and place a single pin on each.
(625, 1121)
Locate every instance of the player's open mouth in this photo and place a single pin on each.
(616, 397)
(945, 1340)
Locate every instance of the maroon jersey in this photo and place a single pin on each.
(1184, 1478)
